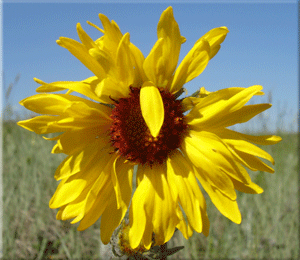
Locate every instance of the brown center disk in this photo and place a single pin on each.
(131, 136)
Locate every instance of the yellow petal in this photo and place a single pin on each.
(121, 170)
(95, 208)
(215, 37)
(242, 115)
(162, 60)
(249, 148)
(95, 26)
(262, 140)
(138, 58)
(184, 227)
(104, 58)
(100, 193)
(185, 186)
(168, 29)
(74, 208)
(218, 105)
(119, 202)
(152, 107)
(254, 163)
(67, 191)
(84, 37)
(109, 90)
(81, 159)
(112, 33)
(137, 215)
(85, 87)
(81, 53)
(152, 209)
(43, 124)
(214, 149)
(192, 65)
(63, 104)
(150, 64)
(229, 208)
(247, 188)
(124, 61)
(209, 158)
(76, 140)
(110, 220)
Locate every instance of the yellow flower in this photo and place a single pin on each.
(134, 118)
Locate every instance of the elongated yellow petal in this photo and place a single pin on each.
(192, 65)
(247, 188)
(85, 87)
(52, 124)
(249, 148)
(153, 195)
(94, 207)
(104, 58)
(84, 37)
(262, 140)
(211, 111)
(73, 141)
(120, 169)
(80, 160)
(214, 148)
(152, 107)
(63, 104)
(221, 95)
(168, 29)
(242, 115)
(162, 60)
(124, 60)
(138, 59)
(254, 163)
(184, 184)
(229, 208)
(150, 64)
(81, 53)
(119, 202)
(138, 216)
(183, 226)
(112, 34)
(215, 37)
(97, 208)
(102, 187)
(43, 124)
(67, 191)
(212, 166)
(110, 220)
(109, 90)
(73, 209)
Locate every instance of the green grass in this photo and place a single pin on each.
(269, 228)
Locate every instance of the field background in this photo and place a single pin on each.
(269, 228)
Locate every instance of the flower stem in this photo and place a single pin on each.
(163, 249)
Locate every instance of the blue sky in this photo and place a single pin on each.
(261, 47)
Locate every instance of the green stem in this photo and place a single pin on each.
(163, 249)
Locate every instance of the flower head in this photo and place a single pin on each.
(133, 117)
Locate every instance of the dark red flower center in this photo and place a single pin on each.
(130, 135)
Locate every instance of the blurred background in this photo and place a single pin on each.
(260, 49)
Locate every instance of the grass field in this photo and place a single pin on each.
(269, 228)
